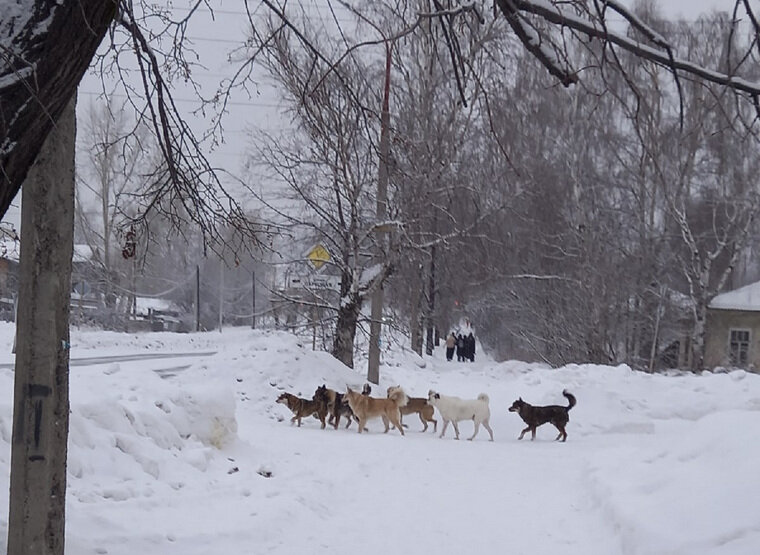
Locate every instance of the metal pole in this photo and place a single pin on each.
(221, 293)
(15, 322)
(253, 300)
(373, 369)
(197, 298)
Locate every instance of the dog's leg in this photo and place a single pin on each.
(523, 432)
(445, 425)
(397, 423)
(385, 423)
(456, 429)
(424, 423)
(435, 424)
(562, 433)
(361, 425)
(488, 427)
(474, 433)
(331, 412)
(532, 433)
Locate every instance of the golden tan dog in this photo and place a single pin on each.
(366, 407)
(420, 406)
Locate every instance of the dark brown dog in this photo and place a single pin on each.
(420, 406)
(301, 407)
(536, 416)
(337, 407)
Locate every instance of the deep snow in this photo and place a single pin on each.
(654, 464)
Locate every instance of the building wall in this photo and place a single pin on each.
(719, 322)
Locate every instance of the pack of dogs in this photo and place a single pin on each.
(329, 406)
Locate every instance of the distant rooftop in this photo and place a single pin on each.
(11, 249)
(744, 298)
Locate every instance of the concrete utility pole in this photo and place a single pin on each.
(36, 520)
(375, 327)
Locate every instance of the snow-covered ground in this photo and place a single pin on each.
(193, 456)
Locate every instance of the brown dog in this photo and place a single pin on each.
(301, 407)
(536, 416)
(366, 407)
(420, 406)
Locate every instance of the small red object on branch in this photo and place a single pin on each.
(130, 245)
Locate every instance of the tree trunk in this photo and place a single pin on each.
(698, 336)
(45, 54)
(430, 319)
(41, 400)
(415, 323)
(345, 331)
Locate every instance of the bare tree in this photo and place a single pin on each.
(329, 166)
(114, 155)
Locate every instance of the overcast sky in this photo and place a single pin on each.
(215, 39)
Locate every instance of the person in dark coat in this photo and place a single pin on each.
(460, 348)
(470, 342)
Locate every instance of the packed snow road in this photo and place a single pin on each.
(207, 463)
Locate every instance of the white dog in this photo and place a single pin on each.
(454, 409)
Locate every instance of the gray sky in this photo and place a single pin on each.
(214, 40)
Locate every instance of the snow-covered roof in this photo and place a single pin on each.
(744, 298)
(9, 249)
(82, 253)
(12, 249)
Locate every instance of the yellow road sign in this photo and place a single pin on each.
(318, 256)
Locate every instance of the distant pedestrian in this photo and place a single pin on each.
(460, 348)
(470, 342)
(451, 343)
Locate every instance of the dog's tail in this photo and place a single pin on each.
(570, 398)
(484, 397)
(398, 396)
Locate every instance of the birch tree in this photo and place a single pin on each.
(329, 166)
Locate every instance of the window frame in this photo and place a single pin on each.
(735, 355)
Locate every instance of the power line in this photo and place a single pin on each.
(194, 100)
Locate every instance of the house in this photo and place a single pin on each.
(732, 332)
(9, 250)
(83, 275)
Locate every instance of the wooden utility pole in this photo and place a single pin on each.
(221, 294)
(36, 522)
(197, 298)
(253, 300)
(375, 327)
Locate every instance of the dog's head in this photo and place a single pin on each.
(321, 394)
(391, 389)
(433, 395)
(367, 389)
(517, 405)
(282, 399)
(348, 394)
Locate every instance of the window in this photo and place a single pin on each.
(738, 347)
